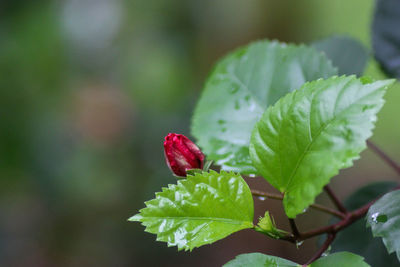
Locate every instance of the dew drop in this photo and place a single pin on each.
(324, 254)
(379, 218)
(374, 217)
(305, 210)
(252, 175)
(382, 218)
(299, 243)
(261, 198)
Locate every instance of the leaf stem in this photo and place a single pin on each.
(314, 206)
(348, 219)
(385, 157)
(335, 199)
(295, 231)
(351, 217)
(322, 249)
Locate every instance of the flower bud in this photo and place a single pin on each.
(181, 154)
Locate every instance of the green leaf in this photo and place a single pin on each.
(309, 135)
(199, 210)
(342, 259)
(242, 85)
(346, 53)
(386, 36)
(357, 238)
(384, 219)
(259, 260)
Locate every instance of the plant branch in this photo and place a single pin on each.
(322, 249)
(293, 226)
(314, 206)
(350, 218)
(385, 157)
(334, 228)
(335, 199)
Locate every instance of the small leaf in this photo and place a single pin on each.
(357, 238)
(342, 259)
(259, 260)
(346, 53)
(199, 210)
(266, 225)
(242, 85)
(384, 219)
(302, 141)
(386, 36)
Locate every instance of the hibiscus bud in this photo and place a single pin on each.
(181, 154)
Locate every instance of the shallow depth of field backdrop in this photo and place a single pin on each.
(89, 89)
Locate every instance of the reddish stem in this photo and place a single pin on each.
(295, 231)
(322, 249)
(335, 199)
(334, 228)
(384, 156)
(314, 206)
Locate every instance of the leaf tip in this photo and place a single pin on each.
(136, 218)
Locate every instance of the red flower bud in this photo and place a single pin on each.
(181, 154)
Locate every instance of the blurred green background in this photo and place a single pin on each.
(88, 90)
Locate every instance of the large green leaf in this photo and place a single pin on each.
(357, 238)
(384, 219)
(259, 260)
(342, 259)
(386, 36)
(309, 135)
(242, 85)
(346, 53)
(199, 210)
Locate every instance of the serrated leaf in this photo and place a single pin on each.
(384, 219)
(343, 259)
(259, 260)
(346, 53)
(309, 135)
(199, 210)
(242, 85)
(386, 36)
(357, 238)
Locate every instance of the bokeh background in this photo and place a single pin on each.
(88, 90)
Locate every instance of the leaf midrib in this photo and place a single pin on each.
(322, 128)
(224, 220)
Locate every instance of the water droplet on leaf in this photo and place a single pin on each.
(252, 175)
(382, 218)
(374, 217)
(261, 198)
(379, 218)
